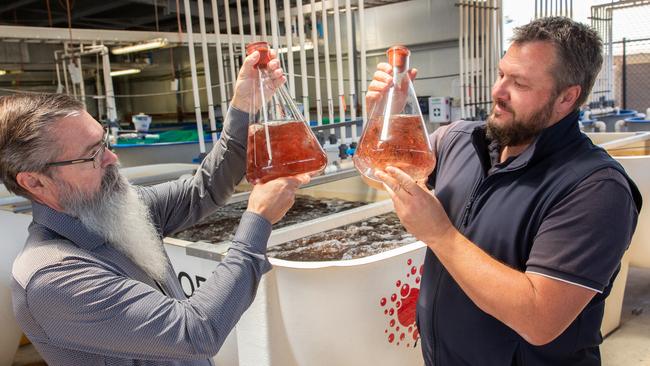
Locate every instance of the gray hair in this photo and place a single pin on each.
(26, 141)
(578, 51)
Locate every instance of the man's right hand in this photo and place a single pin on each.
(273, 199)
(381, 81)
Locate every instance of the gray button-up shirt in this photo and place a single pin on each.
(81, 302)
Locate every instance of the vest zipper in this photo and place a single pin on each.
(470, 202)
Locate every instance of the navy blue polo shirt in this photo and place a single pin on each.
(563, 209)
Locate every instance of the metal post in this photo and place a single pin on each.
(351, 57)
(328, 75)
(206, 70)
(624, 76)
(222, 79)
(364, 63)
(339, 68)
(303, 61)
(314, 40)
(231, 60)
(195, 82)
(288, 34)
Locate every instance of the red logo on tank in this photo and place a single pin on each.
(400, 308)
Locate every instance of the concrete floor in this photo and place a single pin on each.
(629, 345)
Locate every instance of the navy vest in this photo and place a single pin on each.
(501, 213)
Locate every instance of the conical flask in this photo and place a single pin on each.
(280, 143)
(395, 133)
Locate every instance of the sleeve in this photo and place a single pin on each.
(85, 306)
(435, 138)
(585, 235)
(179, 204)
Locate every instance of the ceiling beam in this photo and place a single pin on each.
(10, 32)
(76, 14)
(15, 5)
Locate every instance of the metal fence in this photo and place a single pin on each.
(632, 73)
(624, 80)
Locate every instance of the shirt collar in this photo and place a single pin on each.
(550, 140)
(67, 226)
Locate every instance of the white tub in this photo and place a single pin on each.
(634, 156)
(321, 313)
(14, 233)
(638, 254)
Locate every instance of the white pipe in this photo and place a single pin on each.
(274, 25)
(64, 70)
(484, 58)
(600, 126)
(490, 57)
(363, 61)
(480, 37)
(619, 126)
(288, 36)
(314, 41)
(206, 70)
(82, 84)
(472, 35)
(262, 7)
(231, 52)
(339, 68)
(195, 82)
(58, 72)
(240, 26)
(351, 59)
(222, 79)
(101, 101)
(251, 20)
(328, 75)
(466, 37)
(499, 29)
(111, 110)
(610, 56)
(461, 63)
(303, 61)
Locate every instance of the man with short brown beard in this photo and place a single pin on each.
(93, 285)
(529, 220)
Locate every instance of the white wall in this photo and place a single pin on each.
(428, 27)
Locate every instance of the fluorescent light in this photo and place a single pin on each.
(125, 72)
(3, 72)
(149, 45)
(306, 46)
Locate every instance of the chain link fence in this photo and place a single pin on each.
(630, 37)
(632, 73)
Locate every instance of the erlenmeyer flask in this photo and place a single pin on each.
(395, 134)
(279, 141)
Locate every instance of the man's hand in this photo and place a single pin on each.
(273, 199)
(247, 85)
(381, 81)
(417, 208)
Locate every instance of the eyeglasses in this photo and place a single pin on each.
(96, 157)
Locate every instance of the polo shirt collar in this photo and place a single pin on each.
(67, 226)
(550, 140)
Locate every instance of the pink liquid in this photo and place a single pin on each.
(406, 148)
(294, 150)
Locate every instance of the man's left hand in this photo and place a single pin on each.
(417, 208)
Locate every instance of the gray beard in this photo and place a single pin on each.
(117, 214)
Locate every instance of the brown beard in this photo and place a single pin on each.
(519, 132)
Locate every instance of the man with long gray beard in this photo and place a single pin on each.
(529, 220)
(93, 285)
